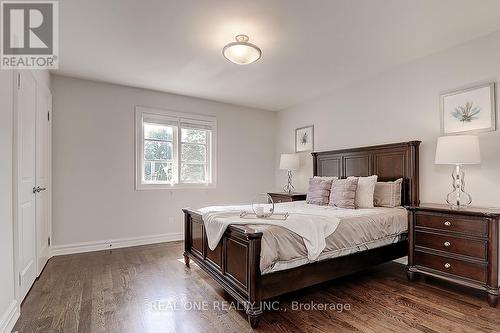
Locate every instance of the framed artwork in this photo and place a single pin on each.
(469, 110)
(304, 139)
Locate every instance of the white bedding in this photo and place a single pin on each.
(312, 224)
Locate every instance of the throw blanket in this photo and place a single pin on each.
(313, 226)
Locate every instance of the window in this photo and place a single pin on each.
(174, 150)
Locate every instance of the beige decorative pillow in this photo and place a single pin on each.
(388, 194)
(365, 191)
(318, 192)
(343, 193)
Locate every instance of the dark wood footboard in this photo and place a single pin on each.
(234, 264)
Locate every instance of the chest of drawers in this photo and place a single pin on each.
(458, 245)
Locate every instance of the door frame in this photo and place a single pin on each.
(43, 255)
(15, 182)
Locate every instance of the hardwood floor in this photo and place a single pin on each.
(148, 289)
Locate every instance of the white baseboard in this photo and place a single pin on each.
(9, 317)
(59, 250)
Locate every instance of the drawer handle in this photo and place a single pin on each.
(447, 265)
(447, 244)
(447, 223)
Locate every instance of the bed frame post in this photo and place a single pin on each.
(254, 307)
(187, 239)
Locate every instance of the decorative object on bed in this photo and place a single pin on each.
(365, 191)
(318, 192)
(458, 150)
(469, 110)
(343, 193)
(235, 262)
(289, 162)
(304, 139)
(388, 194)
(459, 246)
(263, 205)
(275, 216)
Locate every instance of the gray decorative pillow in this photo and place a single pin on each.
(343, 193)
(319, 190)
(388, 194)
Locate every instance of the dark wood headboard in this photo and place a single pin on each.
(389, 162)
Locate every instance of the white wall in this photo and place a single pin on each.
(93, 162)
(401, 105)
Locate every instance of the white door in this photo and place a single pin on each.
(43, 138)
(25, 228)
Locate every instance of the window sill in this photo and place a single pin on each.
(148, 187)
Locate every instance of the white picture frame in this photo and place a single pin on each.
(469, 110)
(304, 139)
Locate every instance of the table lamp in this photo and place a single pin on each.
(458, 150)
(289, 162)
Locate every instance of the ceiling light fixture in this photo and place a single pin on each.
(241, 52)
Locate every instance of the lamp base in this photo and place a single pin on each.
(458, 197)
(289, 187)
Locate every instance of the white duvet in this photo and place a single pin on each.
(311, 222)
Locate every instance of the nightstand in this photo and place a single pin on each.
(287, 197)
(457, 245)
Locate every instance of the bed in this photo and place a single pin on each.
(236, 262)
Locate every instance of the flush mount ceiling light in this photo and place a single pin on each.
(241, 52)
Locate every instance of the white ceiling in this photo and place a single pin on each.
(309, 47)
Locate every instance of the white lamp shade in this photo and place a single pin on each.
(289, 162)
(458, 149)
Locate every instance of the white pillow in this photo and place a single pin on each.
(365, 191)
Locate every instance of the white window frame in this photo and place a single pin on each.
(177, 118)
(174, 157)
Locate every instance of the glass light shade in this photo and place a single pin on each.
(263, 205)
(241, 52)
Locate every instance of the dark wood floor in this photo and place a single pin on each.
(148, 289)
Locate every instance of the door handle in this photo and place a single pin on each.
(38, 189)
